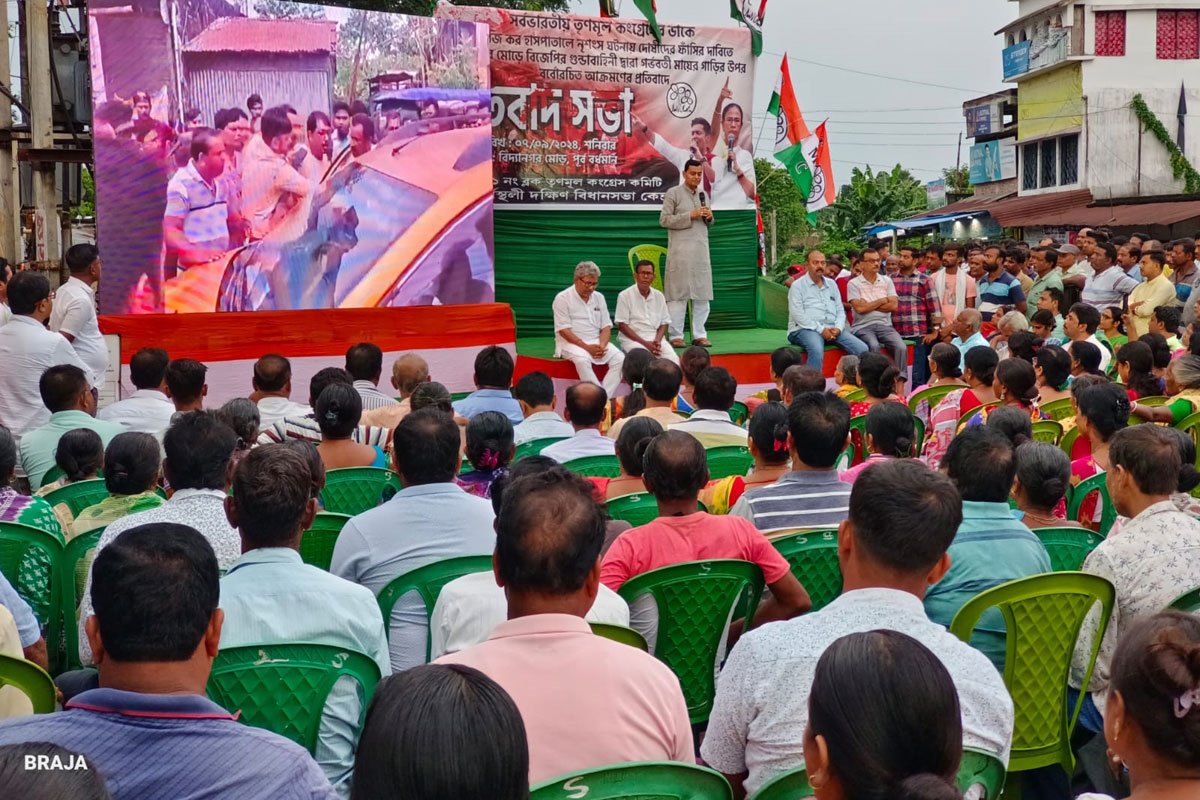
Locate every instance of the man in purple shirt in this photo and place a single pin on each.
(149, 729)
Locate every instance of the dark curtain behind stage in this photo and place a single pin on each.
(536, 254)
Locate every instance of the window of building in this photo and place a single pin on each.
(1049, 154)
(1068, 156)
(1178, 34)
(1029, 166)
(1110, 33)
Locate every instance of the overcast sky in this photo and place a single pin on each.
(872, 120)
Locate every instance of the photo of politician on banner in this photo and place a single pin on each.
(593, 112)
(303, 157)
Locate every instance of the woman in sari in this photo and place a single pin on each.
(1103, 410)
(1014, 385)
(132, 467)
(944, 370)
(979, 372)
(877, 375)
(768, 445)
(1052, 365)
(17, 507)
(1183, 386)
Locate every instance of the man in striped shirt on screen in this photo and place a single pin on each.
(811, 495)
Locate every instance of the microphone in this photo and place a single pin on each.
(729, 157)
(703, 202)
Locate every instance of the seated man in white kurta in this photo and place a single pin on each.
(583, 328)
(642, 316)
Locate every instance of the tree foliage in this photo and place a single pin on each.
(958, 180)
(284, 9)
(872, 197)
(777, 193)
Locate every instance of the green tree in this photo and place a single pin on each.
(284, 9)
(872, 197)
(777, 193)
(958, 180)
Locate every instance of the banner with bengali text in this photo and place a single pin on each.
(592, 112)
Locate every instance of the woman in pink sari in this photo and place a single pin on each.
(1103, 410)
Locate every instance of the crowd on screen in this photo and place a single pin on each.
(502, 684)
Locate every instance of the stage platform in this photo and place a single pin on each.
(745, 352)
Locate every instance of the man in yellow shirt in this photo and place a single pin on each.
(1156, 290)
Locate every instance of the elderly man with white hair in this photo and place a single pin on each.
(583, 329)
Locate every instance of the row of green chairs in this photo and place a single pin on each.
(46, 574)
(980, 776)
(723, 462)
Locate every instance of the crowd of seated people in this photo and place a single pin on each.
(495, 681)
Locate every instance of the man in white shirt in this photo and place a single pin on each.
(27, 350)
(74, 313)
(470, 607)
(196, 219)
(1108, 285)
(316, 161)
(583, 328)
(902, 520)
(364, 362)
(267, 175)
(714, 393)
(273, 391)
(642, 316)
(147, 410)
(585, 411)
(535, 393)
(1080, 325)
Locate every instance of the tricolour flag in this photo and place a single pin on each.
(791, 133)
(816, 153)
(750, 13)
(649, 10)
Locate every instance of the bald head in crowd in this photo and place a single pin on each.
(408, 372)
(273, 375)
(970, 319)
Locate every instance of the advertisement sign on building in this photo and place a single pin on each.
(1016, 60)
(994, 161)
(935, 193)
(1060, 91)
(984, 119)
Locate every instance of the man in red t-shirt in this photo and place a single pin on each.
(676, 469)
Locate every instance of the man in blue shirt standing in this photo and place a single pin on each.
(493, 379)
(149, 729)
(271, 597)
(815, 313)
(991, 547)
(997, 288)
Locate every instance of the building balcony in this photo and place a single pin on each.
(1049, 48)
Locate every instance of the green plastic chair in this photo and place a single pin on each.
(353, 490)
(428, 581)
(283, 687)
(649, 780)
(918, 435)
(1068, 547)
(931, 395)
(619, 633)
(982, 770)
(977, 769)
(595, 466)
(650, 252)
(636, 509)
(1058, 410)
(31, 679)
(29, 559)
(80, 495)
(728, 460)
(1047, 430)
(1189, 424)
(813, 557)
(694, 602)
(846, 458)
(52, 474)
(965, 418)
(534, 447)
(856, 396)
(73, 569)
(739, 413)
(316, 545)
(790, 785)
(1076, 495)
(1067, 442)
(859, 424)
(1188, 601)
(1042, 617)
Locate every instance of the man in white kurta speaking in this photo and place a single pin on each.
(686, 216)
(642, 316)
(583, 329)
